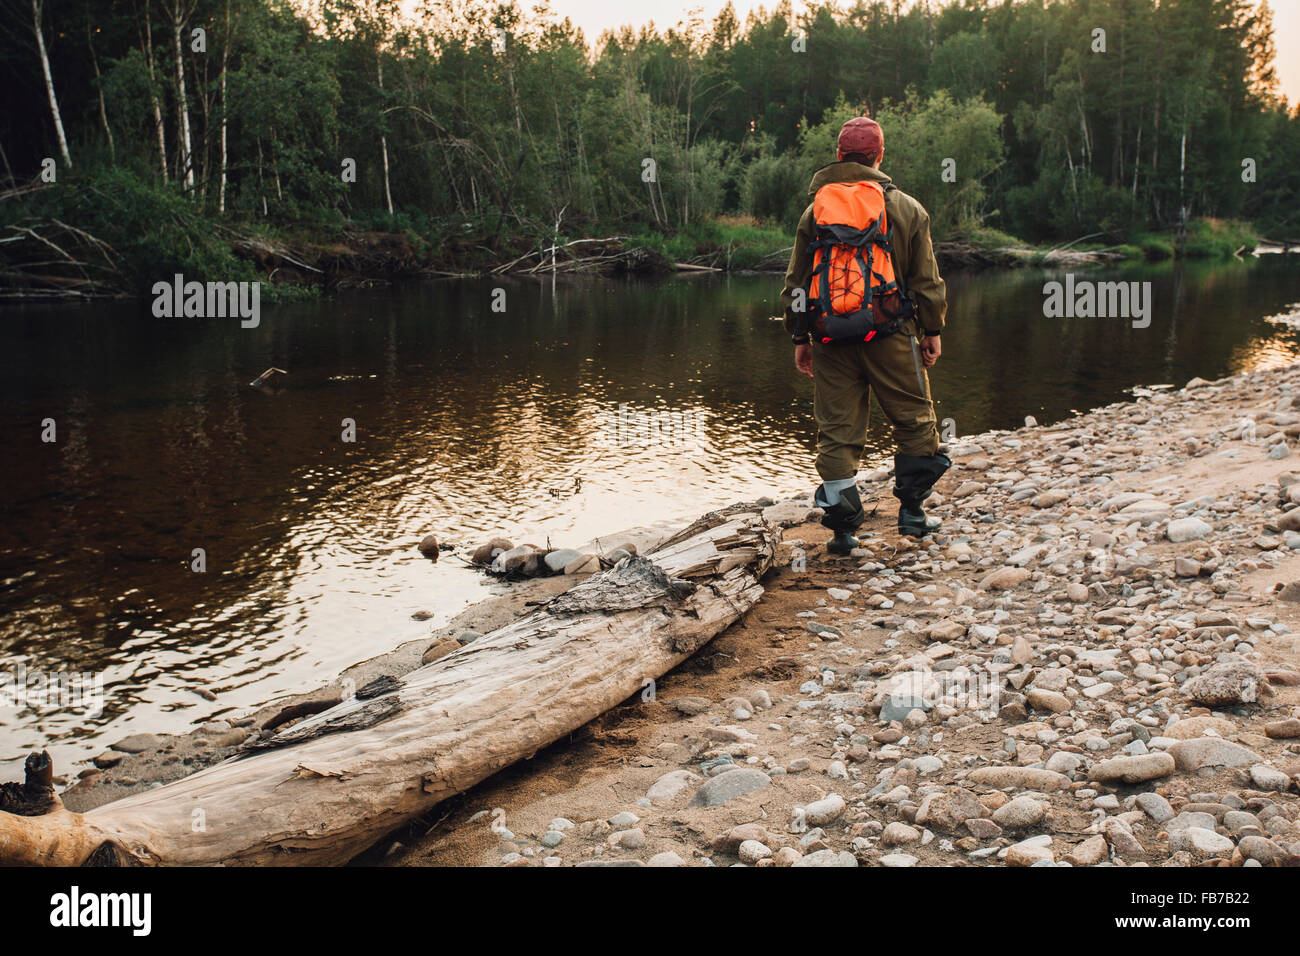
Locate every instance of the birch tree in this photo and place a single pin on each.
(99, 87)
(145, 35)
(37, 9)
(225, 65)
(180, 12)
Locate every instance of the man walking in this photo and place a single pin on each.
(899, 316)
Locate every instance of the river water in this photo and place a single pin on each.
(578, 411)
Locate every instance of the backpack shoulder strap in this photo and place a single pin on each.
(889, 240)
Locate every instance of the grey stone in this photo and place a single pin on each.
(138, 743)
(1155, 806)
(1187, 529)
(727, 786)
(559, 559)
(583, 564)
(691, 705)
(828, 858)
(824, 631)
(633, 839)
(1201, 841)
(948, 809)
(1238, 822)
(667, 787)
(611, 863)
(1211, 752)
(1191, 818)
(510, 561)
(898, 834)
(825, 810)
(1262, 850)
(1137, 769)
(1019, 813)
(1269, 778)
(898, 707)
(1234, 682)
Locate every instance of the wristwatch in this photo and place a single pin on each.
(800, 339)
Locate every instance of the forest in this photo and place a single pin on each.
(147, 135)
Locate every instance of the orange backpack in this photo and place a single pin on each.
(853, 294)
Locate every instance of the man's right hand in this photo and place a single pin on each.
(931, 349)
(803, 359)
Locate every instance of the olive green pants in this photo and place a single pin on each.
(844, 376)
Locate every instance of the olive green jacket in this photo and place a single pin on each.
(914, 260)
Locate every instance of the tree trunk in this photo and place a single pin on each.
(9, 173)
(584, 171)
(1137, 161)
(146, 43)
(690, 165)
(182, 105)
(203, 97)
(1117, 155)
(383, 140)
(1074, 185)
(275, 169)
(103, 111)
(1153, 181)
(225, 60)
(49, 82)
(332, 785)
(1182, 169)
(1085, 156)
(261, 181)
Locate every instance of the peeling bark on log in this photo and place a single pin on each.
(338, 781)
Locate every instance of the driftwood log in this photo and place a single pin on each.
(325, 789)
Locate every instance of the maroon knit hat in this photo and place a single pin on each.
(860, 135)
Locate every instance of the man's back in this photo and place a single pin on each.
(913, 252)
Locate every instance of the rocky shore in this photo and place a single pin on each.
(1094, 663)
(1122, 582)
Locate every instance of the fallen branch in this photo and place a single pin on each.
(253, 246)
(27, 267)
(335, 783)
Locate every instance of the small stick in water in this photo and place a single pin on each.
(257, 382)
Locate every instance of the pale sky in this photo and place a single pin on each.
(1286, 37)
(595, 16)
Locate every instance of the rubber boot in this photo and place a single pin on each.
(844, 518)
(842, 544)
(913, 522)
(914, 479)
